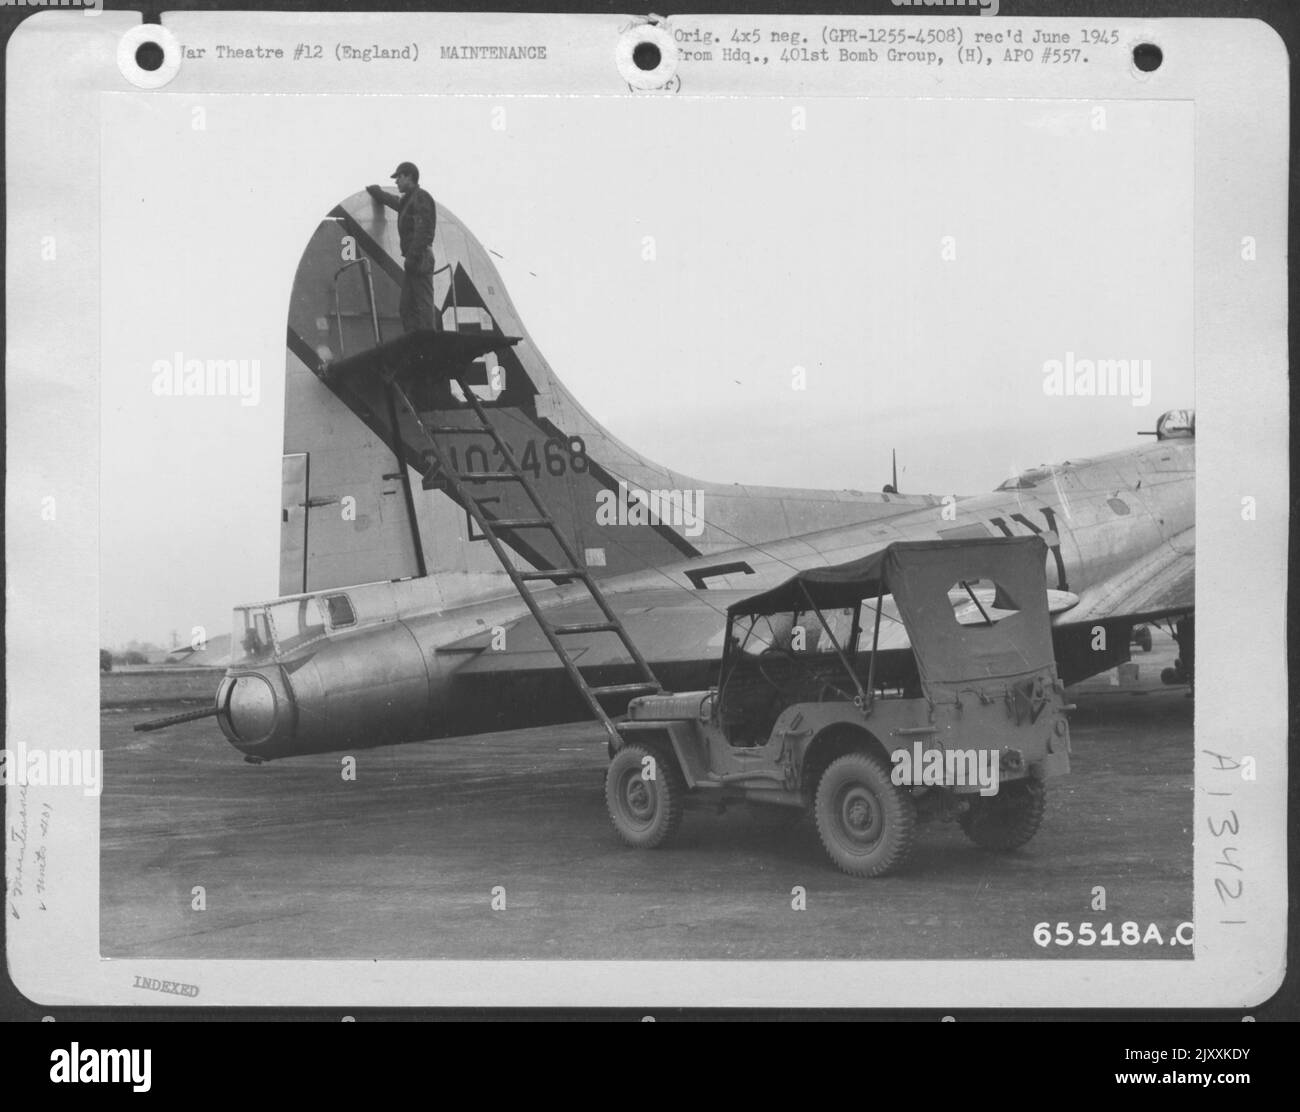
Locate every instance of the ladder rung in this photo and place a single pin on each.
(625, 688)
(553, 573)
(438, 476)
(521, 523)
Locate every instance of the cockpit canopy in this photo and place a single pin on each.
(1026, 480)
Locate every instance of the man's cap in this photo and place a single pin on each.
(406, 168)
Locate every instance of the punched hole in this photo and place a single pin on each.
(149, 56)
(1147, 56)
(646, 56)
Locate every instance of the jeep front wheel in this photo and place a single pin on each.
(1006, 820)
(866, 822)
(645, 794)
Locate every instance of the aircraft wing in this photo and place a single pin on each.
(1162, 582)
(668, 625)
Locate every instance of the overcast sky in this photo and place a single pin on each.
(774, 248)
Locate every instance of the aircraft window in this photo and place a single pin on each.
(255, 637)
(340, 611)
(296, 623)
(1118, 505)
(980, 603)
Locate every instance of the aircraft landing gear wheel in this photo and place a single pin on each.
(645, 797)
(1006, 820)
(866, 823)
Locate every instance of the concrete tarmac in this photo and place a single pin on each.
(402, 862)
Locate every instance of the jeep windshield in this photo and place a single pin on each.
(797, 632)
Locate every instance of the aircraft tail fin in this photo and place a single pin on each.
(360, 503)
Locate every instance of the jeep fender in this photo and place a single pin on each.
(820, 732)
(672, 740)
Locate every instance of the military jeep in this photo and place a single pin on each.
(954, 712)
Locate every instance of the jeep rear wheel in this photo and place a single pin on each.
(866, 822)
(645, 794)
(1006, 820)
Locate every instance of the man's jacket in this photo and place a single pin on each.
(417, 219)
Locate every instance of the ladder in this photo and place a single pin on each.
(460, 484)
(461, 481)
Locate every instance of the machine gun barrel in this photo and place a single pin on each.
(176, 719)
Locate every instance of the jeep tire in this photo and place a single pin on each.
(1007, 820)
(865, 821)
(645, 794)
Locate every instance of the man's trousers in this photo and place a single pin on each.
(417, 307)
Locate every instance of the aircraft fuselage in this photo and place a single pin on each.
(394, 672)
